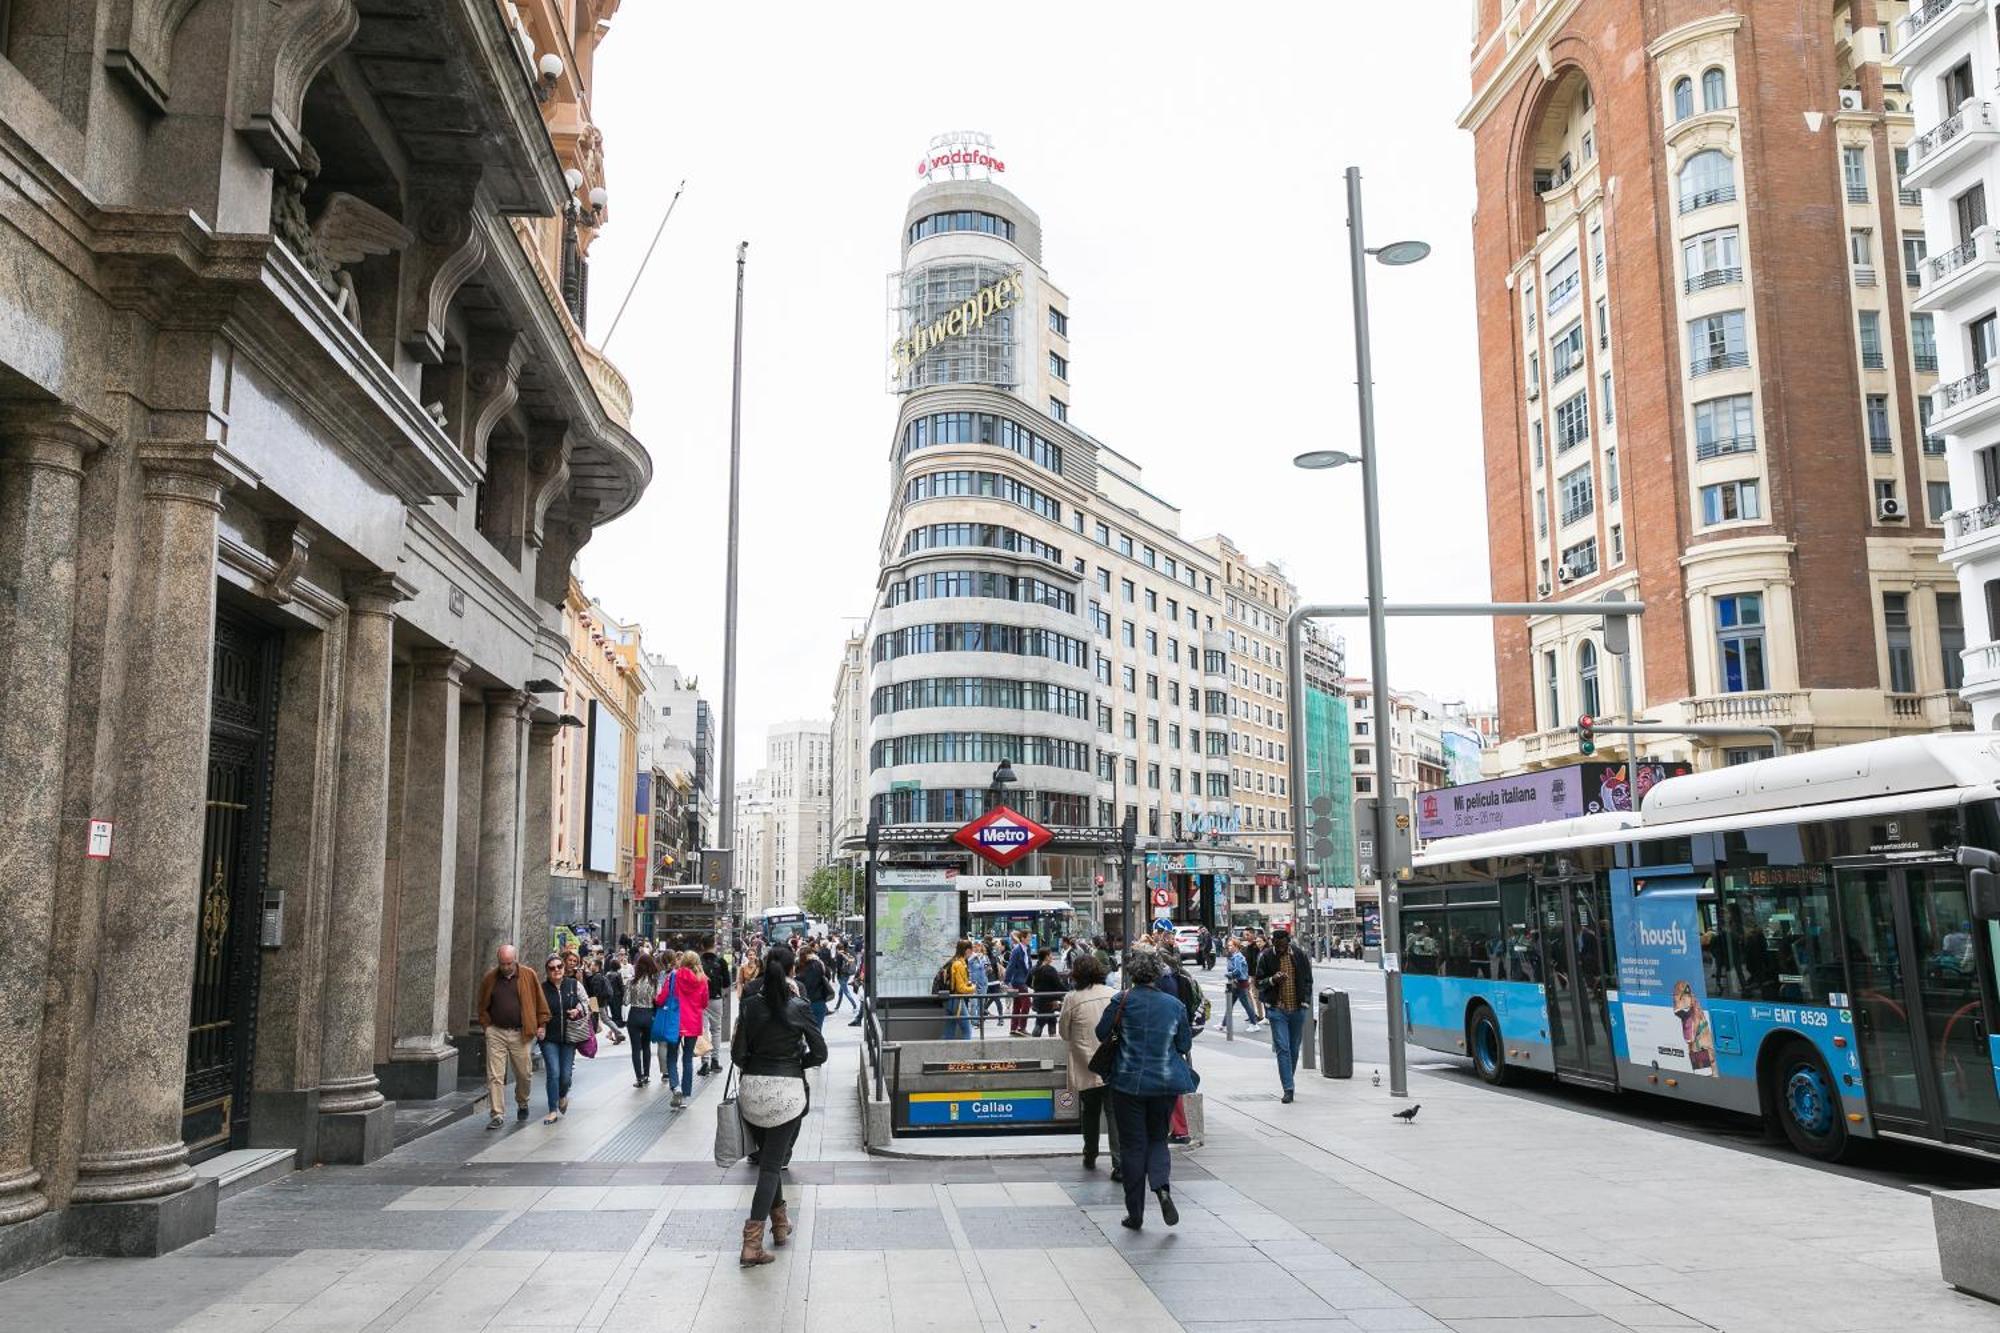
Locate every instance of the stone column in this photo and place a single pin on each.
(356, 1123)
(537, 815)
(41, 477)
(467, 967)
(135, 1193)
(422, 1063)
(499, 829)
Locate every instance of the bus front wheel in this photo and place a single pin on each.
(1489, 1053)
(1807, 1102)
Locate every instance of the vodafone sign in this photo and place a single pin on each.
(1003, 836)
(960, 152)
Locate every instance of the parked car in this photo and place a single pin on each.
(1187, 939)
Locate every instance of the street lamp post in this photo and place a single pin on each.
(1396, 253)
(726, 812)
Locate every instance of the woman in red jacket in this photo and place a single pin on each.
(689, 987)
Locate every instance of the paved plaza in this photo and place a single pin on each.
(1489, 1213)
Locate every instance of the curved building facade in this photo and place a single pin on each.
(1035, 603)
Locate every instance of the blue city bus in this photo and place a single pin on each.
(1793, 938)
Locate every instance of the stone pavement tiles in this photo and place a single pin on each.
(1492, 1213)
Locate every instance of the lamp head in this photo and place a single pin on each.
(599, 196)
(573, 178)
(1398, 253)
(1319, 460)
(1004, 775)
(551, 66)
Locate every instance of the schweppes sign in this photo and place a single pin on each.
(968, 316)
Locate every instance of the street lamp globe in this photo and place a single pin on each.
(1318, 460)
(1398, 253)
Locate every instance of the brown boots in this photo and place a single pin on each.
(753, 1245)
(781, 1225)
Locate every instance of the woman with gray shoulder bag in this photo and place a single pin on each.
(775, 1042)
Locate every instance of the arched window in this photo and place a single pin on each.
(1683, 98)
(1586, 674)
(1707, 178)
(1714, 90)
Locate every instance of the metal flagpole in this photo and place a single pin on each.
(726, 815)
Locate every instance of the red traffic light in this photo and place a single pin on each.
(1585, 722)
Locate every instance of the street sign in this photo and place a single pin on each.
(715, 870)
(1163, 897)
(1003, 836)
(1617, 630)
(902, 877)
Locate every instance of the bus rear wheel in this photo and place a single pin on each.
(1489, 1052)
(1807, 1102)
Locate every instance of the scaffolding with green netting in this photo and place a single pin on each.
(1330, 773)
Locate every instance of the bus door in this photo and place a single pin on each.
(1573, 921)
(1917, 967)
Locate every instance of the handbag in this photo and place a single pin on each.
(575, 1030)
(1104, 1060)
(729, 1135)
(587, 1048)
(703, 1047)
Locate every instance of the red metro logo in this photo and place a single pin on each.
(1003, 836)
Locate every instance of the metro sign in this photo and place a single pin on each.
(1003, 836)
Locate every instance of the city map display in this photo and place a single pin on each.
(916, 925)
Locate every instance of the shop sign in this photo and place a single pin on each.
(968, 316)
(1013, 1106)
(960, 150)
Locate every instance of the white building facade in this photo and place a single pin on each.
(1954, 160)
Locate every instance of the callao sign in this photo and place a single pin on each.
(1003, 836)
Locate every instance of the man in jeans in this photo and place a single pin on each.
(1284, 980)
(515, 1015)
(717, 973)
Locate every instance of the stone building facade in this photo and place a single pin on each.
(1702, 381)
(299, 435)
(594, 841)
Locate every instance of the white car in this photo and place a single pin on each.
(1187, 939)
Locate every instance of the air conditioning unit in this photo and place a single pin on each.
(1542, 590)
(1889, 507)
(1850, 99)
(1565, 574)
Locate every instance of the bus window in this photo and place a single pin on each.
(1520, 959)
(1771, 935)
(1471, 941)
(1423, 928)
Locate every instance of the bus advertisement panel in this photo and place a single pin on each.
(1660, 984)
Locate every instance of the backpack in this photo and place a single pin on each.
(941, 983)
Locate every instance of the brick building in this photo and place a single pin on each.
(1701, 379)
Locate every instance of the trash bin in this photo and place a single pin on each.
(1336, 1035)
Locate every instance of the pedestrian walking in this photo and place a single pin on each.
(747, 973)
(980, 976)
(1076, 1024)
(1154, 1038)
(1236, 976)
(776, 1042)
(512, 1013)
(644, 983)
(690, 998)
(1017, 981)
(717, 971)
(960, 997)
(843, 968)
(1284, 983)
(1205, 950)
(1047, 984)
(814, 983)
(568, 1025)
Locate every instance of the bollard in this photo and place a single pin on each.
(1336, 1034)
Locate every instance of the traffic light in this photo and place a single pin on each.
(1586, 734)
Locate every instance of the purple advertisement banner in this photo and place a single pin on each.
(1537, 798)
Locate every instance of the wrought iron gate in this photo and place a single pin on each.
(222, 1018)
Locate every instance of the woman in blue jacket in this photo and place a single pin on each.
(1154, 1038)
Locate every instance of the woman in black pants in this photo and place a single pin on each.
(777, 1040)
(639, 1017)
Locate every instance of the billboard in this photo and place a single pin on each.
(603, 792)
(642, 810)
(1537, 798)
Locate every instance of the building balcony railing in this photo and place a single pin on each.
(1932, 151)
(1871, 358)
(1926, 363)
(1721, 194)
(1715, 277)
(1762, 707)
(1913, 277)
(1982, 664)
(1725, 445)
(1879, 444)
(1961, 524)
(1963, 273)
(1964, 402)
(1934, 446)
(1928, 23)
(1720, 361)
(1864, 275)
(1909, 198)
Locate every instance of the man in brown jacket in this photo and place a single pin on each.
(514, 1014)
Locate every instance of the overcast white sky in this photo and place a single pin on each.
(1186, 163)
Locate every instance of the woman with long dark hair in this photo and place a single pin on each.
(776, 1041)
(639, 1017)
